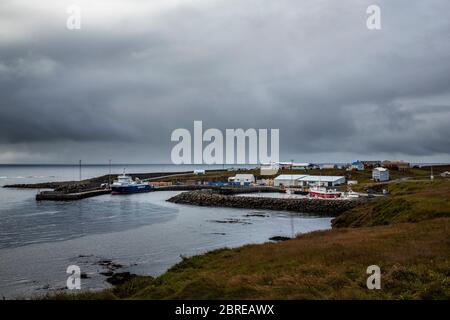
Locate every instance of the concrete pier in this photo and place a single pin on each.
(60, 196)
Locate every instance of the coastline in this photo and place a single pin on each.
(414, 205)
(409, 243)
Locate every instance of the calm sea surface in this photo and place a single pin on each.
(142, 232)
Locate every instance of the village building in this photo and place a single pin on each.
(371, 164)
(328, 166)
(288, 180)
(380, 174)
(399, 165)
(295, 165)
(326, 181)
(357, 165)
(242, 179)
(301, 166)
(445, 174)
(298, 180)
(269, 169)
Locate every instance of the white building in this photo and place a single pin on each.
(295, 165)
(199, 172)
(327, 166)
(242, 179)
(380, 174)
(445, 174)
(327, 181)
(288, 180)
(300, 180)
(301, 165)
(269, 169)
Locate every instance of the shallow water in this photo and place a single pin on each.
(143, 232)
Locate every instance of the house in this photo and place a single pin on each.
(399, 165)
(357, 165)
(285, 165)
(327, 181)
(301, 166)
(445, 174)
(371, 163)
(380, 174)
(199, 172)
(242, 179)
(327, 166)
(295, 165)
(269, 169)
(288, 180)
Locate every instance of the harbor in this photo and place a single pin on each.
(186, 213)
(141, 233)
(315, 183)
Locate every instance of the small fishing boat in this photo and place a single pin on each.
(322, 192)
(296, 191)
(351, 195)
(125, 185)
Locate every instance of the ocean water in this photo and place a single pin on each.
(143, 232)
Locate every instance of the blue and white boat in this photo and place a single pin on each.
(125, 185)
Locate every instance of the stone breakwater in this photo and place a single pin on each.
(302, 205)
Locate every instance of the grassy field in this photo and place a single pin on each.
(413, 257)
(409, 201)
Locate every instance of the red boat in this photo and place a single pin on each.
(322, 192)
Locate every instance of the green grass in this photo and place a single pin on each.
(409, 201)
(413, 258)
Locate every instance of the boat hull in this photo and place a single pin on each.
(131, 189)
(324, 195)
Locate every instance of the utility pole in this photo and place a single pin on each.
(109, 176)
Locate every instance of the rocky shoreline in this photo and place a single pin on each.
(321, 207)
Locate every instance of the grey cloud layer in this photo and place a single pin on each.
(310, 68)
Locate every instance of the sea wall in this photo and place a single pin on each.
(61, 196)
(304, 205)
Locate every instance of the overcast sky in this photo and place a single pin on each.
(138, 69)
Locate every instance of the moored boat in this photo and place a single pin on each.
(125, 185)
(322, 192)
(351, 195)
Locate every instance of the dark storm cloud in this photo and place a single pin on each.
(139, 69)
